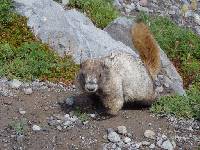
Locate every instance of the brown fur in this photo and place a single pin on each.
(147, 47)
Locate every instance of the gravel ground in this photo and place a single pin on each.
(43, 115)
(184, 12)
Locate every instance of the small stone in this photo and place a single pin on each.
(73, 119)
(69, 101)
(197, 29)
(129, 135)
(67, 123)
(143, 2)
(159, 89)
(196, 18)
(114, 137)
(20, 138)
(67, 116)
(114, 146)
(164, 137)
(120, 143)
(92, 115)
(149, 134)
(109, 130)
(127, 140)
(28, 91)
(105, 137)
(190, 128)
(167, 145)
(166, 85)
(127, 10)
(159, 142)
(46, 108)
(172, 12)
(117, 4)
(137, 145)
(145, 143)
(65, 2)
(15, 84)
(59, 128)
(141, 8)
(121, 130)
(85, 122)
(7, 102)
(22, 111)
(52, 122)
(152, 146)
(36, 128)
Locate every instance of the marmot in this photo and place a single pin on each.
(122, 77)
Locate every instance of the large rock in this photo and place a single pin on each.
(68, 31)
(170, 80)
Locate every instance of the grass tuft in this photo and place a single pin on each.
(101, 12)
(23, 56)
(180, 106)
(19, 126)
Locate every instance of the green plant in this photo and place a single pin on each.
(180, 106)
(16, 32)
(101, 12)
(19, 127)
(82, 116)
(6, 14)
(35, 60)
(24, 57)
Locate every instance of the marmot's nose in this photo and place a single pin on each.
(91, 87)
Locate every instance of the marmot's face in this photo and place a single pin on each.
(90, 75)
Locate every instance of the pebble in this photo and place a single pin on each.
(152, 146)
(20, 138)
(28, 91)
(167, 145)
(59, 128)
(65, 2)
(69, 101)
(22, 111)
(36, 128)
(159, 89)
(196, 18)
(197, 29)
(92, 115)
(149, 134)
(121, 130)
(105, 137)
(127, 140)
(113, 137)
(15, 84)
(145, 143)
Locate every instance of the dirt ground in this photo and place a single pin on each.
(89, 136)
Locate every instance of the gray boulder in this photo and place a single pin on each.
(169, 80)
(68, 31)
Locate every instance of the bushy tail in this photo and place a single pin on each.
(147, 47)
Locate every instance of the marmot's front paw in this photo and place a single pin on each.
(113, 112)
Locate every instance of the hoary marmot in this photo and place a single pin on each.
(122, 77)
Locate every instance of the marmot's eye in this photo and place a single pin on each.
(100, 75)
(82, 75)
